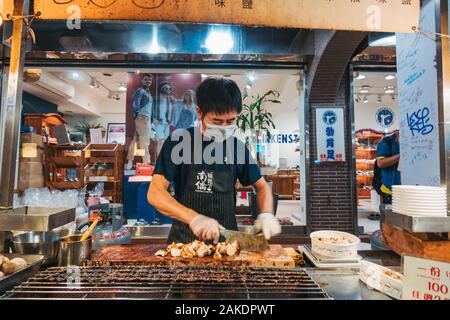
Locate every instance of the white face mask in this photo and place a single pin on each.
(219, 133)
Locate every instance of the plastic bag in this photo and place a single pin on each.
(34, 197)
(106, 237)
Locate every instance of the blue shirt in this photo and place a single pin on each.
(390, 176)
(247, 172)
(142, 103)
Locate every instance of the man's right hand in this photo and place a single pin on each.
(205, 228)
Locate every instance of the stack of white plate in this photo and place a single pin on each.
(419, 200)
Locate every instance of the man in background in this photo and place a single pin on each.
(388, 158)
(142, 114)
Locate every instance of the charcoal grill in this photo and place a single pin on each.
(164, 282)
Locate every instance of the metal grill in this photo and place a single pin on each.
(163, 282)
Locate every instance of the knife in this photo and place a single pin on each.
(249, 242)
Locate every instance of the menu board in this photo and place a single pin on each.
(418, 104)
(330, 134)
(363, 15)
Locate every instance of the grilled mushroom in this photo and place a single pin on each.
(161, 253)
(232, 248)
(175, 252)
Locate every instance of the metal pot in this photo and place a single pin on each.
(41, 243)
(72, 251)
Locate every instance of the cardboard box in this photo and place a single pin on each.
(29, 137)
(31, 175)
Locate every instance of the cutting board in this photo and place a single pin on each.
(141, 254)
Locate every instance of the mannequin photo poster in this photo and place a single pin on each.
(156, 105)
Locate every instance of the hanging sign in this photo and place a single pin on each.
(418, 104)
(425, 279)
(6, 7)
(330, 134)
(362, 15)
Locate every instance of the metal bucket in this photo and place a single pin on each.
(41, 243)
(72, 251)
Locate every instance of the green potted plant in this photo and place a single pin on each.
(85, 126)
(257, 119)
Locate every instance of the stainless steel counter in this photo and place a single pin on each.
(344, 284)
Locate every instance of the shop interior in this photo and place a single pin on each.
(94, 103)
(375, 116)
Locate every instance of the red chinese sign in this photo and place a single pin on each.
(425, 279)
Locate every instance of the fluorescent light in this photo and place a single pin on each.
(388, 41)
(361, 77)
(75, 75)
(390, 77)
(219, 42)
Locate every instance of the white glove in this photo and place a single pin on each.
(205, 228)
(268, 225)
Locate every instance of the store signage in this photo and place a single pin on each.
(425, 279)
(385, 117)
(330, 134)
(363, 15)
(418, 104)
(283, 138)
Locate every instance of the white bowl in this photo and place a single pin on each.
(334, 250)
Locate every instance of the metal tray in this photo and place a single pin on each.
(34, 263)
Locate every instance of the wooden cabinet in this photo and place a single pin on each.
(104, 163)
(283, 185)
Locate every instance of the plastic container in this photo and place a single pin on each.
(334, 250)
(382, 279)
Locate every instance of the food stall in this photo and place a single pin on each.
(70, 263)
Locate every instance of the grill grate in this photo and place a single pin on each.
(165, 282)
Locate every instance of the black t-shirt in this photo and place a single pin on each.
(173, 161)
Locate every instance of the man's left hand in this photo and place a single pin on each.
(268, 225)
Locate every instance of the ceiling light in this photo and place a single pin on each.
(365, 89)
(389, 89)
(251, 77)
(358, 99)
(122, 87)
(365, 100)
(219, 42)
(390, 77)
(93, 83)
(379, 99)
(360, 77)
(75, 75)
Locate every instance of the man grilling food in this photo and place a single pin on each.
(203, 164)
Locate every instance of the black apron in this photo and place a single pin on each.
(210, 190)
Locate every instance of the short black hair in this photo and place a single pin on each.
(147, 75)
(219, 95)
